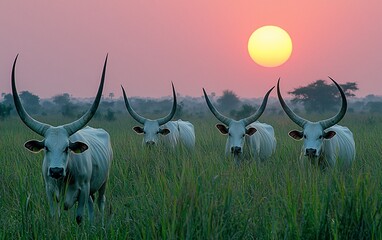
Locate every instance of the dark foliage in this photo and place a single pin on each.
(110, 115)
(374, 107)
(5, 111)
(228, 101)
(31, 102)
(245, 111)
(320, 97)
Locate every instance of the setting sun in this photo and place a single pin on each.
(270, 46)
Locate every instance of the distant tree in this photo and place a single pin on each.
(5, 111)
(111, 95)
(8, 99)
(320, 97)
(374, 107)
(110, 115)
(245, 111)
(228, 101)
(67, 108)
(30, 101)
(61, 99)
(106, 104)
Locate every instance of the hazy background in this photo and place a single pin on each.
(195, 44)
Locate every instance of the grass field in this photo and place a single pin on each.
(203, 195)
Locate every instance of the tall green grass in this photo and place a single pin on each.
(161, 194)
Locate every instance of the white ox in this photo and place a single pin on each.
(325, 143)
(76, 161)
(163, 130)
(261, 137)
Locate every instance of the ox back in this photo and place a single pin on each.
(340, 148)
(262, 143)
(180, 132)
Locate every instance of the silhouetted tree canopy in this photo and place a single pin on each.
(67, 108)
(61, 99)
(374, 107)
(320, 97)
(228, 101)
(110, 115)
(246, 110)
(8, 99)
(5, 111)
(30, 102)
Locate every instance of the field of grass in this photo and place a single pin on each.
(202, 195)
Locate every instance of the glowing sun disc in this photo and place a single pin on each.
(270, 46)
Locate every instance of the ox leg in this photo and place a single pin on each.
(82, 199)
(101, 200)
(49, 195)
(57, 197)
(91, 209)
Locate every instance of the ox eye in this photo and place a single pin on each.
(304, 136)
(46, 149)
(66, 150)
(243, 135)
(320, 137)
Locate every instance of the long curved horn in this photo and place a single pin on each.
(215, 112)
(36, 126)
(259, 111)
(294, 117)
(73, 127)
(167, 118)
(135, 115)
(141, 119)
(334, 120)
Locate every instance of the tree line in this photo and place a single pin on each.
(317, 97)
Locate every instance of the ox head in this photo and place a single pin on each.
(313, 133)
(152, 129)
(236, 129)
(56, 143)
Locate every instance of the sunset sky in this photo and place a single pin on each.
(195, 44)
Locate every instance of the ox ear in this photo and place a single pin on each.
(223, 129)
(164, 131)
(295, 134)
(138, 129)
(250, 131)
(78, 147)
(34, 145)
(329, 135)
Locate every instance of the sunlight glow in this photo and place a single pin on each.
(270, 46)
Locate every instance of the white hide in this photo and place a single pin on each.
(87, 171)
(178, 132)
(340, 148)
(263, 142)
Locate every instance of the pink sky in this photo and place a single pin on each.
(195, 44)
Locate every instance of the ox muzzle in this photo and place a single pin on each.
(236, 150)
(150, 143)
(56, 172)
(311, 152)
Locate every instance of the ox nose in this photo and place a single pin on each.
(235, 150)
(150, 143)
(56, 172)
(310, 152)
